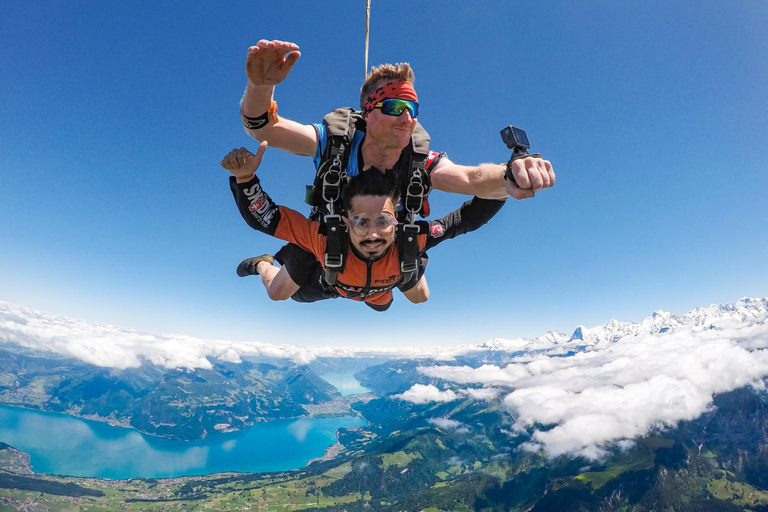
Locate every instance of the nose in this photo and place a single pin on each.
(405, 117)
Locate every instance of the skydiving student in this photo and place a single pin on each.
(372, 261)
(384, 134)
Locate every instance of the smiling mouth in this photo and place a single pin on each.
(372, 245)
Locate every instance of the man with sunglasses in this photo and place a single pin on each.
(372, 269)
(390, 108)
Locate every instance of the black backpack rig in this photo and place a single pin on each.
(326, 191)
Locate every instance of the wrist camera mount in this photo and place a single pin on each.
(516, 140)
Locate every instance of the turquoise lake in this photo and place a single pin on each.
(345, 383)
(64, 445)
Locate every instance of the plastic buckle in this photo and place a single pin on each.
(333, 260)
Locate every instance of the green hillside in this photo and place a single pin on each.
(473, 465)
(173, 403)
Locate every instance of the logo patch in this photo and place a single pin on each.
(437, 230)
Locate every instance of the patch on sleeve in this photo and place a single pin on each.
(437, 230)
(261, 207)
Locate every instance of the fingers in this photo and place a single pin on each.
(255, 160)
(241, 162)
(550, 172)
(519, 193)
(291, 59)
(533, 173)
(281, 48)
(265, 43)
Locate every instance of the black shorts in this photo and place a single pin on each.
(306, 271)
(301, 265)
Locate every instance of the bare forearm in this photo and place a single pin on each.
(256, 99)
(487, 180)
(484, 180)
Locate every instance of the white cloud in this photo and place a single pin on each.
(482, 393)
(421, 394)
(449, 424)
(117, 347)
(614, 392)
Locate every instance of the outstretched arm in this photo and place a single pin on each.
(470, 216)
(487, 180)
(266, 65)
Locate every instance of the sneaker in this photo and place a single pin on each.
(250, 267)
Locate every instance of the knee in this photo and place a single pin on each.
(422, 296)
(276, 293)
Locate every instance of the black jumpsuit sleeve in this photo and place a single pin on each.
(470, 216)
(256, 207)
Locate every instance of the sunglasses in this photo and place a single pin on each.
(361, 224)
(395, 107)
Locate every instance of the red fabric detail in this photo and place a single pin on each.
(433, 158)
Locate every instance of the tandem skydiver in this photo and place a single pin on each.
(372, 234)
(384, 134)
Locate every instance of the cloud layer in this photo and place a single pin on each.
(613, 391)
(117, 347)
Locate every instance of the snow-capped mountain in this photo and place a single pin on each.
(745, 310)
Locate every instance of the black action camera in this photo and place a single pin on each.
(516, 140)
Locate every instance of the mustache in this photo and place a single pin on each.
(369, 241)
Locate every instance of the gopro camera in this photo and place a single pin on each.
(516, 140)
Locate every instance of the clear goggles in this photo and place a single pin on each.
(362, 223)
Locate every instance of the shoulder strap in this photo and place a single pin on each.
(416, 185)
(326, 190)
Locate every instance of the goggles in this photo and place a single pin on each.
(395, 107)
(362, 223)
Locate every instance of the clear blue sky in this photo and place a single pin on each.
(114, 116)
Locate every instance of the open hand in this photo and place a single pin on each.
(269, 62)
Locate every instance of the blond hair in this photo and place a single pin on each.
(386, 72)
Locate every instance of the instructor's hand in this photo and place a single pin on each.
(269, 62)
(242, 163)
(531, 175)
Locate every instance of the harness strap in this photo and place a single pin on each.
(335, 247)
(417, 188)
(409, 251)
(331, 175)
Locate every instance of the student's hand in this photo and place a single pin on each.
(531, 175)
(269, 62)
(242, 163)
